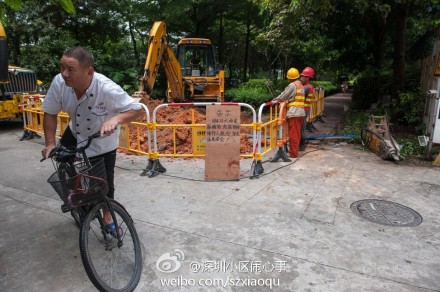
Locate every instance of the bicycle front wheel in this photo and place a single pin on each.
(110, 265)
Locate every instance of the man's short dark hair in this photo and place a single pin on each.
(83, 56)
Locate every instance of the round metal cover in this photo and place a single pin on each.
(386, 213)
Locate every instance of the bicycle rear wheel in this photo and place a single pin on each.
(111, 266)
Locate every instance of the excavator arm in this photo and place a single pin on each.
(160, 51)
(174, 75)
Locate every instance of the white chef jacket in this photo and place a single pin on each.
(102, 100)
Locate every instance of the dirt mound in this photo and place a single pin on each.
(183, 115)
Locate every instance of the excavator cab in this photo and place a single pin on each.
(196, 58)
(202, 75)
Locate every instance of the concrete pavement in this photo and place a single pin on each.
(291, 229)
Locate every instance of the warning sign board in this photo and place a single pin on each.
(222, 158)
(198, 140)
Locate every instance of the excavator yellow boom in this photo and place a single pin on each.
(160, 51)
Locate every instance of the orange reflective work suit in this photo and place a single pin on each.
(294, 93)
(295, 120)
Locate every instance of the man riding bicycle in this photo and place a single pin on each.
(94, 103)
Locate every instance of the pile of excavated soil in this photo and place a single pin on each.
(180, 115)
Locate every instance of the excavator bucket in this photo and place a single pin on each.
(377, 137)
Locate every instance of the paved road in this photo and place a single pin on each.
(291, 229)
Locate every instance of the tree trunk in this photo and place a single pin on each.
(220, 40)
(375, 26)
(246, 48)
(133, 41)
(429, 64)
(400, 22)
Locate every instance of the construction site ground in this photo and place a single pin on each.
(290, 229)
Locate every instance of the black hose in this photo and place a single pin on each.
(372, 132)
(393, 155)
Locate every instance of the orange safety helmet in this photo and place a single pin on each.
(293, 73)
(308, 72)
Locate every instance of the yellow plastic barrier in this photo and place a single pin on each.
(269, 133)
(33, 117)
(33, 121)
(317, 108)
(142, 143)
(317, 104)
(197, 131)
(14, 107)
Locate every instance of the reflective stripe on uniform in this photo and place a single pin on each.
(299, 96)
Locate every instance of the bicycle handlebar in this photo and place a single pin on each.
(89, 141)
(79, 149)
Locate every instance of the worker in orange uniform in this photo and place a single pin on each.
(307, 74)
(294, 95)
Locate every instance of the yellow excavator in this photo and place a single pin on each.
(194, 75)
(16, 84)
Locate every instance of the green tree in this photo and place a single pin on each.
(67, 6)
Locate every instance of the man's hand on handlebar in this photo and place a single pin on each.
(47, 150)
(109, 127)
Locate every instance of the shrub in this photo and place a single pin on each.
(368, 87)
(329, 87)
(353, 123)
(257, 91)
(410, 147)
(251, 96)
(254, 92)
(410, 109)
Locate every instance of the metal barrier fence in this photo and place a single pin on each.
(268, 133)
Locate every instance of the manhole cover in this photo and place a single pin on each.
(386, 213)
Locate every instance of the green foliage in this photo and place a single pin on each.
(116, 62)
(258, 84)
(256, 37)
(353, 122)
(410, 147)
(329, 87)
(410, 108)
(67, 5)
(254, 92)
(14, 4)
(368, 87)
(280, 85)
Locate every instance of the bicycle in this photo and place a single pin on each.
(344, 87)
(111, 254)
